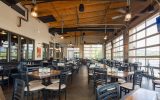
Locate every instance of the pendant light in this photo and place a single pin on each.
(34, 9)
(81, 7)
(128, 16)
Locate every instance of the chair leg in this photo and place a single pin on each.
(65, 94)
(120, 92)
(32, 96)
(153, 86)
(38, 95)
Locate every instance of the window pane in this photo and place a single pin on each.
(141, 34)
(132, 45)
(140, 52)
(153, 51)
(153, 40)
(152, 20)
(30, 49)
(153, 62)
(141, 26)
(132, 38)
(152, 30)
(132, 31)
(14, 48)
(3, 46)
(141, 43)
(132, 53)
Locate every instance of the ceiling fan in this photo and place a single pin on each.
(126, 12)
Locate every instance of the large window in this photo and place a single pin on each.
(14, 47)
(93, 51)
(108, 50)
(3, 46)
(144, 44)
(118, 48)
(72, 53)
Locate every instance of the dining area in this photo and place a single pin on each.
(80, 50)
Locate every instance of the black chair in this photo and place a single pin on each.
(59, 87)
(128, 86)
(90, 73)
(18, 91)
(108, 92)
(100, 77)
(4, 75)
(30, 89)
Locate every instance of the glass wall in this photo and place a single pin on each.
(93, 51)
(72, 53)
(118, 48)
(108, 50)
(45, 51)
(14, 47)
(30, 49)
(144, 44)
(3, 46)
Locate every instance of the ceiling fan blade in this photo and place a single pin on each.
(116, 17)
(121, 10)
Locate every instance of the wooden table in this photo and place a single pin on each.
(120, 74)
(39, 75)
(142, 94)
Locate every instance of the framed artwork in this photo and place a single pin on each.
(39, 51)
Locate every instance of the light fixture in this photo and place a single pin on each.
(105, 38)
(81, 7)
(3, 32)
(22, 38)
(128, 17)
(14, 36)
(33, 12)
(62, 37)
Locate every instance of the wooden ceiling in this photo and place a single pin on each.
(67, 14)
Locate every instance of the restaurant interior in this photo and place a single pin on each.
(80, 50)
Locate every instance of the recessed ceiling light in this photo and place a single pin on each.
(22, 38)
(14, 36)
(128, 17)
(3, 32)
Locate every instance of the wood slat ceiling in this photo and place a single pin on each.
(96, 12)
(67, 11)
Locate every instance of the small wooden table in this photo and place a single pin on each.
(39, 75)
(142, 94)
(120, 74)
(44, 76)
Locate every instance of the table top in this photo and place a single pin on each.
(120, 74)
(142, 94)
(39, 75)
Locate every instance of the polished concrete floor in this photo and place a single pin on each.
(79, 88)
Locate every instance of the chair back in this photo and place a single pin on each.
(100, 75)
(137, 78)
(18, 92)
(5, 71)
(108, 92)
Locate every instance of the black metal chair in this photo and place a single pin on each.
(128, 86)
(59, 87)
(4, 75)
(100, 77)
(18, 91)
(30, 89)
(108, 92)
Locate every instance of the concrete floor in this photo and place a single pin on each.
(79, 88)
